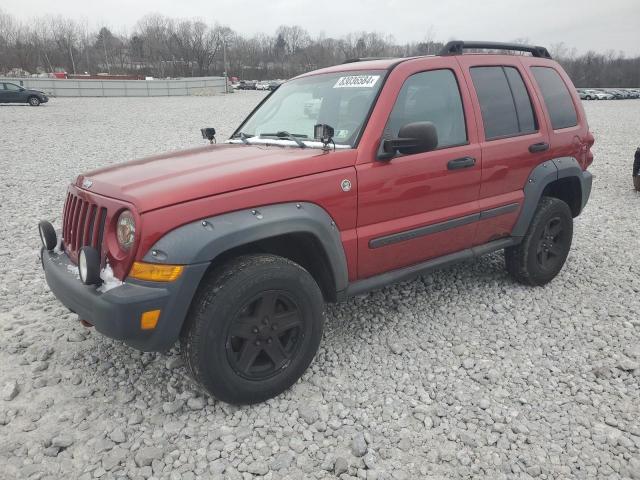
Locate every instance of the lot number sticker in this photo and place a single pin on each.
(357, 81)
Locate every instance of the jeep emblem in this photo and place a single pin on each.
(86, 183)
(346, 185)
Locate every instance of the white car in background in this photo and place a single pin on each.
(597, 95)
(262, 86)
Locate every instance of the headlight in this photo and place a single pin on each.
(126, 230)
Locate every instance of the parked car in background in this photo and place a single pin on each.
(264, 85)
(617, 94)
(12, 93)
(593, 94)
(584, 94)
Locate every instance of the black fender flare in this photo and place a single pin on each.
(543, 175)
(204, 240)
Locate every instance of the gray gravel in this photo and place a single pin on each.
(461, 373)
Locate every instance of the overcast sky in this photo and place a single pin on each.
(584, 24)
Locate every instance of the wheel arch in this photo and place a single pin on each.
(561, 178)
(302, 232)
(568, 190)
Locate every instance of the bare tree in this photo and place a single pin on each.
(162, 46)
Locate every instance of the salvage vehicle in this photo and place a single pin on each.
(408, 165)
(12, 93)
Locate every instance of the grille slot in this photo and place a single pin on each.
(83, 224)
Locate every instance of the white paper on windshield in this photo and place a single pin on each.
(357, 81)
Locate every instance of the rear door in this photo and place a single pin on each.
(3, 93)
(416, 207)
(514, 138)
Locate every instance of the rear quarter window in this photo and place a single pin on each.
(557, 98)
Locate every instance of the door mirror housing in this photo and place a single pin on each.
(416, 137)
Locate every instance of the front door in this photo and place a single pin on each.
(416, 207)
(12, 94)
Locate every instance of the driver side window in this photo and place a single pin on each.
(11, 87)
(434, 97)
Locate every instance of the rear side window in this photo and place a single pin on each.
(431, 96)
(504, 102)
(556, 97)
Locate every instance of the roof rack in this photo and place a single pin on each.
(365, 59)
(456, 47)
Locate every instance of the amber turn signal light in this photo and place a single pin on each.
(149, 320)
(155, 272)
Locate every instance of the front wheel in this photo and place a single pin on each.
(544, 249)
(34, 101)
(253, 329)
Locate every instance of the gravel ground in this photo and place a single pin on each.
(461, 373)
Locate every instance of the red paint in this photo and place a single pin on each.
(170, 190)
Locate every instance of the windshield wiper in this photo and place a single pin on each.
(242, 136)
(286, 136)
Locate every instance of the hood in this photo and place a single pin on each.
(163, 180)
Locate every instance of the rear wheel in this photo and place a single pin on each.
(544, 249)
(253, 329)
(34, 101)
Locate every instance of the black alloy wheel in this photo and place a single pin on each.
(550, 247)
(265, 335)
(541, 254)
(254, 326)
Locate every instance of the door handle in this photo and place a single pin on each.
(464, 162)
(539, 147)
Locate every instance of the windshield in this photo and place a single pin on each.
(340, 100)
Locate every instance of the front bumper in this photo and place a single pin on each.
(116, 313)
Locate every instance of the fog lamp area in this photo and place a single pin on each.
(89, 266)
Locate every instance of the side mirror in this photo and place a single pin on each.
(417, 137)
(209, 134)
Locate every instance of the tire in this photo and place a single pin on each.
(228, 340)
(544, 249)
(33, 101)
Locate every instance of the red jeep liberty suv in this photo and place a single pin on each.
(341, 181)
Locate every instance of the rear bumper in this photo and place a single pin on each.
(586, 180)
(116, 313)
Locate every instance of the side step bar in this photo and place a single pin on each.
(363, 286)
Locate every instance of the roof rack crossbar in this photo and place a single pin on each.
(456, 47)
(365, 59)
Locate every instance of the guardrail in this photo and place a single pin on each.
(123, 88)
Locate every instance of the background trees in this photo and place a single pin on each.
(160, 46)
